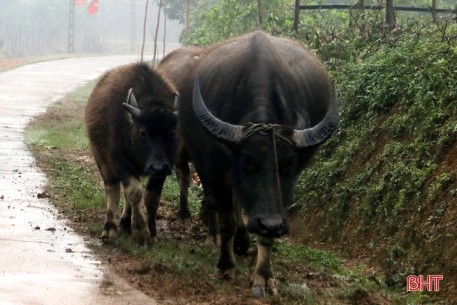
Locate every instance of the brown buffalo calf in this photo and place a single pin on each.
(131, 128)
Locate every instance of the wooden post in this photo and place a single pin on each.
(296, 16)
(434, 10)
(390, 18)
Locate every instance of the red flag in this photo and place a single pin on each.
(80, 2)
(93, 7)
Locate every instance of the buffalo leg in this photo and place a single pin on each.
(133, 195)
(183, 176)
(208, 214)
(112, 191)
(227, 262)
(262, 280)
(242, 240)
(125, 224)
(152, 201)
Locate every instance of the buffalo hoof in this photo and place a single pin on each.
(228, 274)
(214, 239)
(142, 237)
(108, 234)
(260, 291)
(185, 222)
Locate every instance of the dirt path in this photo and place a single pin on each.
(42, 261)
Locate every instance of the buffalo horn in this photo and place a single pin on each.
(131, 99)
(320, 132)
(131, 105)
(219, 129)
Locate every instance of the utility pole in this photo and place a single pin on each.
(71, 27)
(132, 26)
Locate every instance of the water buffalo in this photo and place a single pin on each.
(178, 66)
(131, 125)
(250, 122)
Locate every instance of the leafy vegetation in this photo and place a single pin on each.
(387, 179)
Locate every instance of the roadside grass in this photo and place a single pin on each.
(181, 266)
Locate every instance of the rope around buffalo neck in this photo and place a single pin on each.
(264, 128)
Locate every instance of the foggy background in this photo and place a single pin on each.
(37, 27)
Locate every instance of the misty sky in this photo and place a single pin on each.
(45, 23)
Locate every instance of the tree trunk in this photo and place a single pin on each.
(390, 17)
(260, 8)
(157, 34)
(187, 20)
(164, 30)
(144, 28)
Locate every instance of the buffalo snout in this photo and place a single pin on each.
(159, 169)
(273, 225)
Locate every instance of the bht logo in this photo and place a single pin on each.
(419, 283)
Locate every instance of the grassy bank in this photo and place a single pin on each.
(385, 187)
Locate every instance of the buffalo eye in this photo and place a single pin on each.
(143, 133)
(248, 164)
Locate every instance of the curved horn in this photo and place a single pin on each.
(322, 131)
(131, 105)
(221, 130)
(131, 99)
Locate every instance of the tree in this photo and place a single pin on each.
(157, 32)
(144, 28)
(260, 8)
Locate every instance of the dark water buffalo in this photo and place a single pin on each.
(131, 127)
(180, 66)
(252, 120)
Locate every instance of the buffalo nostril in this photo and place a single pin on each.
(273, 224)
(160, 169)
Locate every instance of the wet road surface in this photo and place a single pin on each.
(42, 261)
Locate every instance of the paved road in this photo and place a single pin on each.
(42, 261)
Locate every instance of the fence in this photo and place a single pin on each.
(360, 6)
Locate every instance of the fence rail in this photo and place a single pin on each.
(376, 8)
(390, 9)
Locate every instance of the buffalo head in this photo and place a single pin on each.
(266, 160)
(152, 135)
